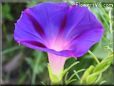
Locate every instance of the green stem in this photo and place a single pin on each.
(66, 70)
(75, 72)
(94, 57)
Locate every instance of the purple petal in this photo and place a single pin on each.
(85, 40)
(58, 28)
(40, 23)
(50, 16)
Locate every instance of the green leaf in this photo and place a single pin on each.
(108, 59)
(66, 76)
(92, 75)
(101, 67)
(71, 81)
(99, 77)
(91, 79)
(12, 49)
(86, 74)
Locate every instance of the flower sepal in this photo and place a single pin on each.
(55, 79)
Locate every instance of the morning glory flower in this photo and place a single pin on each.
(60, 29)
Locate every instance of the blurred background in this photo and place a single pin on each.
(22, 65)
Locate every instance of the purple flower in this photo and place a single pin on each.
(58, 28)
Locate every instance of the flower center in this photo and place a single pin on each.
(59, 44)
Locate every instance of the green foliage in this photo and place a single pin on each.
(91, 74)
(86, 74)
(6, 12)
(37, 64)
(71, 78)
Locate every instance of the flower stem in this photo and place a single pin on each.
(94, 57)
